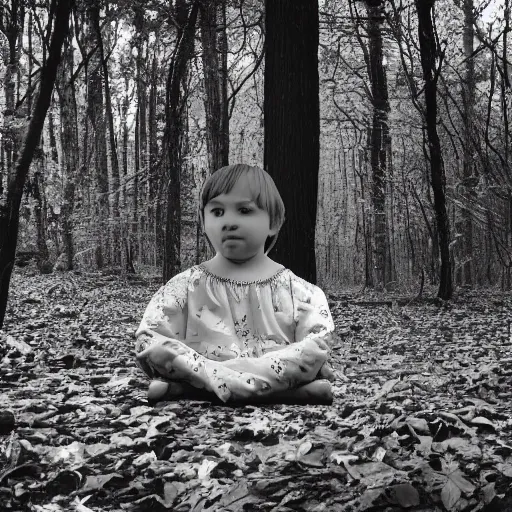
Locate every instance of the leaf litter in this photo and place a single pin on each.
(421, 418)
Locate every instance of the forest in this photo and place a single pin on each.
(404, 140)
(385, 126)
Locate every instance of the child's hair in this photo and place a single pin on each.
(263, 192)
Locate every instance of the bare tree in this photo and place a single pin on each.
(9, 212)
(379, 137)
(214, 58)
(430, 52)
(186, 18)
(468, 104)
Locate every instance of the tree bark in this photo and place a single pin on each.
(215, 84)
(9, 214)
(379, 140)
(429, 52)
(68, 114)
(140, 133)
(153, 155)
(186, 17)
(98, 134)
(40, 216)
(292, 126)
(10, 26)
(114, 161)
(505, 91)
(468, 103)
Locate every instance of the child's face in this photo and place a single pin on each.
(235, 214)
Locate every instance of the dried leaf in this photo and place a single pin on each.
(303, 448)
(94, 482)
(505, 468)
(19, 345)
(482, 422)
(79, 504)
(386, 388)
(457, 477)
(406, 495)
(172, 490)
(418, 424)
(489, 492)
(450, 494)
(206, 467)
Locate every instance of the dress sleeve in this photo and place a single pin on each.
(313, 317)
(166, 314)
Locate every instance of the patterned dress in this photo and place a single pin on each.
(238, 339)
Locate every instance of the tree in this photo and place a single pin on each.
(292, 126)
(9, 212)
(468, 105)
(11, 24)
(186, 18)
(68, 114)
(214, 58)
(429, 52)
(379, 137)
(98, 134)
(114, 162)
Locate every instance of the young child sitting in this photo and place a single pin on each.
(239, 327)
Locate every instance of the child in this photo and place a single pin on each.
(239, 327)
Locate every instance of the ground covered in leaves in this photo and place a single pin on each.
(422, 416)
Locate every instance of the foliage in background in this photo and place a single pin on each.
(119, 220)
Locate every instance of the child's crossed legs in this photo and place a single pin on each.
(163, 387)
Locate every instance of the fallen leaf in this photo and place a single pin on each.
(480, 421)
(206, 468)
(303, 449)
(95, 482)
(405, 495)
(450, 494)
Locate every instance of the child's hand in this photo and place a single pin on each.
(156, 360)
(326, 372)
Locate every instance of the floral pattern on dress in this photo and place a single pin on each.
(248, 338)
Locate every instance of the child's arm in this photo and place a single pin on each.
(314, 320)
(244, 378)
(165, 317)
(248, 378)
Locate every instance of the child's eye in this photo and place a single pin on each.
(247, 210)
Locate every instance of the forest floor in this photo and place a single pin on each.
(422, 416)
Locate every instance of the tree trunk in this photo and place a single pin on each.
(153, 155)
(429, 51)
(140, 132)
(95, 112)
(114, 162)
(9, 214)
(505, 91)
(215, 85)
(468, 102)
(40, 217)
(135, 191)
(380, 140)
(186, 18)
(10, 26)
(142, 153)
(292, 126)
(40, 210)
(68, 115)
